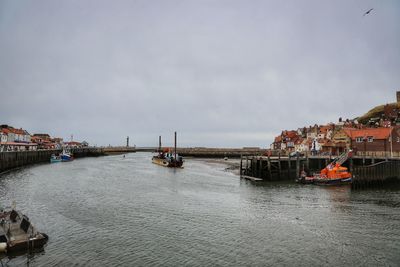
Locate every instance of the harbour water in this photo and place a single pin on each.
(115, 211)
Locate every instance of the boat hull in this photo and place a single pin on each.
(340, 181)
(65, 158)
(161, 162)
(34, 243)
(166, 163)
(323, 181)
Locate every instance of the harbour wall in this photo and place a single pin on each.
(15, 159)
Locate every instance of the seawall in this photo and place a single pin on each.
(15, 159)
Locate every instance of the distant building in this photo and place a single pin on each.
(42, 136)
(286, 141)
(12, 139)
(73, 144)
(375, 139)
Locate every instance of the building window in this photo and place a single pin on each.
(359, 139)
(398, 139)
(370, 139)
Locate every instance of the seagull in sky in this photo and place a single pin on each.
(366, 13)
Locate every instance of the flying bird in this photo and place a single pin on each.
(366, 13)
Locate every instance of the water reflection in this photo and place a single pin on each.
(128, 212)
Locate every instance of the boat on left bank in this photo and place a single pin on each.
(66, 155)
(55, 158)
(18, 234)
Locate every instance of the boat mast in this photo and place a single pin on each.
(175, 147)
(159, 144)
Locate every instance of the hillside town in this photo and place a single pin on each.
(378, 133)
(13, 139)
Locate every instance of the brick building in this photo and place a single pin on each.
(374, 139)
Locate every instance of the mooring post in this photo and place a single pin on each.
(253, 166)
(269, 168)
(351, 165)
(247, 166)
(289, 166)
(279, 165)
(297, 166)
(241, 165)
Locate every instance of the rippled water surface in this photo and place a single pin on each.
(115, 211)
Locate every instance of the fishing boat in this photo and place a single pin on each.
(333, 174)
(66, 156)
(166, 158)
(17, 233)
(54, 158)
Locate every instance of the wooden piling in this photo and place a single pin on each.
(269, 168)
(279, 166)
(241, 165)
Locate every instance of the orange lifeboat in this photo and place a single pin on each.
(335, 172)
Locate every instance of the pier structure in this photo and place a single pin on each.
(367, 171)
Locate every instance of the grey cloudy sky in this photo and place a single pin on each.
(225, 73)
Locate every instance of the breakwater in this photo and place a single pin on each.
(117, 150)
(204, 152)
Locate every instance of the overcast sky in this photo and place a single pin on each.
(223, 73)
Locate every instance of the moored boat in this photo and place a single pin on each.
(166, 158)
(333, 174)
(55, 159)
(18, 234)
(66, 155)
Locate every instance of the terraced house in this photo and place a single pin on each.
(381, 140)
(12, 139)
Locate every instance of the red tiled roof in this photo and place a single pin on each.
(325, 128)
(376, 133)
(291, 134)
